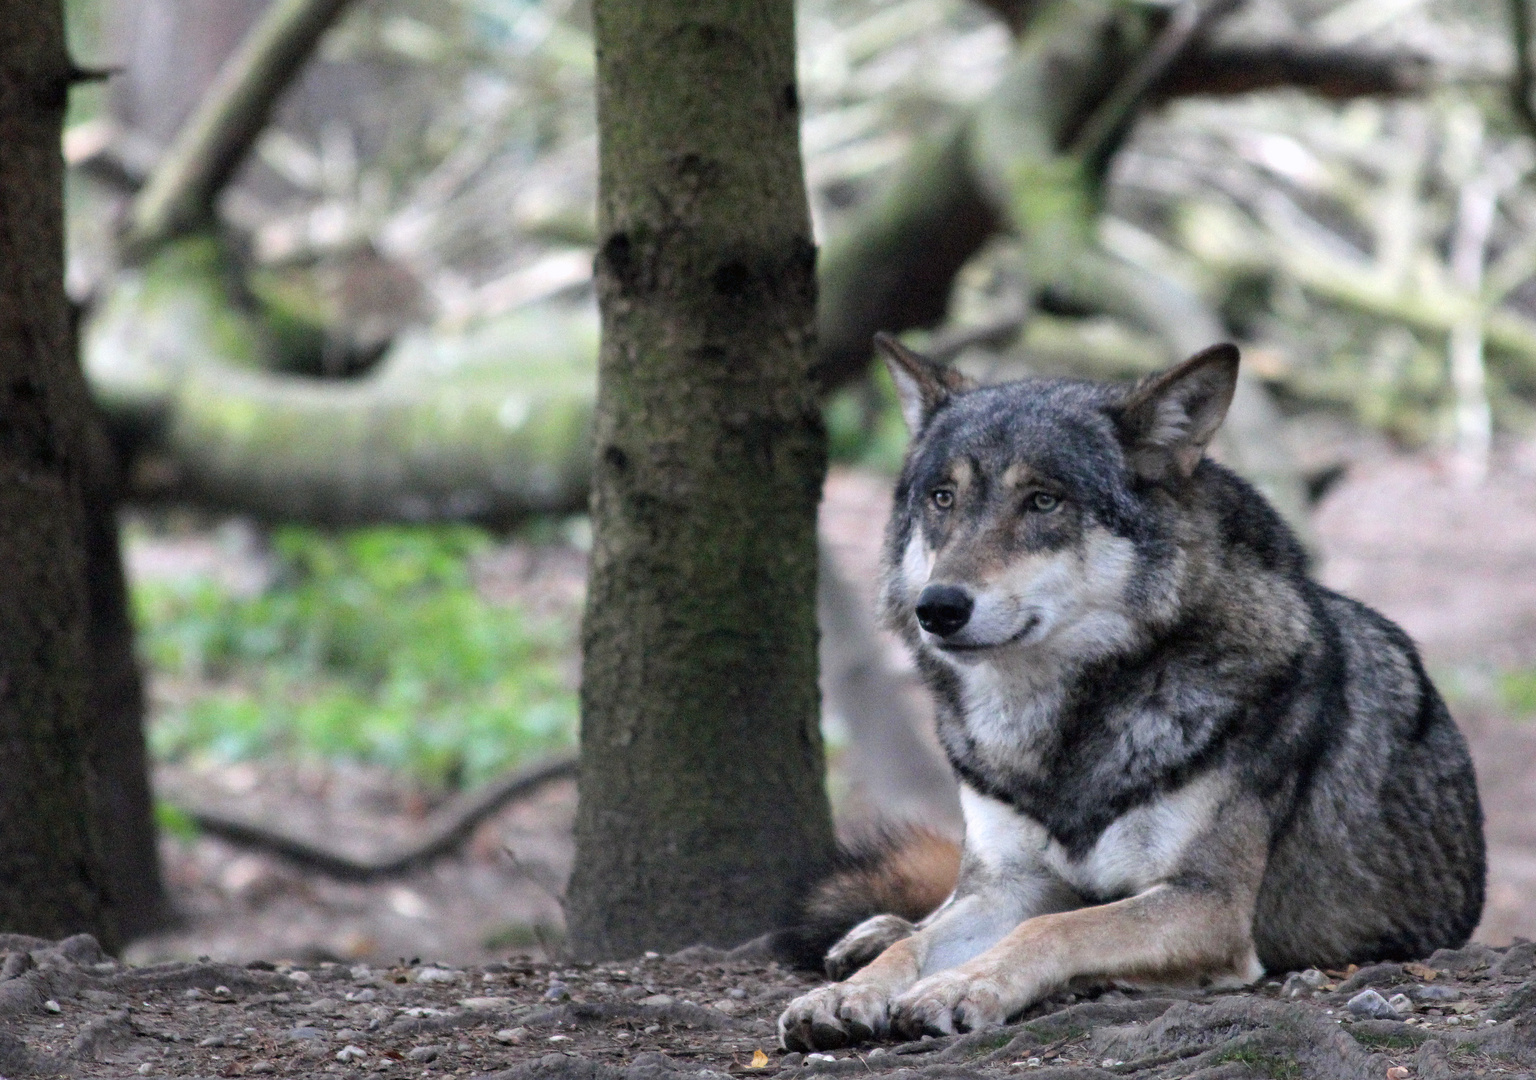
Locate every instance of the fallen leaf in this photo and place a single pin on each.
(1421, 971)
(1397, 1072)
(759, 1060)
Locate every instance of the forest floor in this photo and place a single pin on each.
(67, 1010)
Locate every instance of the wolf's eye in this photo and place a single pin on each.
(1043, 502)
(943, 498)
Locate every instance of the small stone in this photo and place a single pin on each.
(350, 1053)
(1397, 1072)
(214, 1040)
(302, 1033)
(194, 993)
(558, 1038)
(878, 1052)
(1435, 993)
(728, 1007)
(53, 1006)
(364, 995)
(650, 1029)
(809, 1058)
(436, 975)
(1295, 986)
(260, 1067)
(146, 1069)
(300, 977)
(1371, 1004)
(222, 991)
(659, 999)
(1109, 1063)
(736, 994)
(481, 1003)
(510, 1036)
(653, 955)
(424, 1053)
(1033, 1063)
(1401, 1004)
(359, 972)
(347, 1035)
(557, 991)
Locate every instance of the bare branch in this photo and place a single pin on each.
(1330, 73)
(210, 147)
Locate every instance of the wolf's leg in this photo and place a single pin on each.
(864, 942)
(1198, 930)
(859, 1008)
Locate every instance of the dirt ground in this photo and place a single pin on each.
(1455, 566)
(67, 1010)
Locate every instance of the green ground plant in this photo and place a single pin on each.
(372, 645)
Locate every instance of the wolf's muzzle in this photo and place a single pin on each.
(944, 609)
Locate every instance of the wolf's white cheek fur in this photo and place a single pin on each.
(1078, 595)
(916, 566)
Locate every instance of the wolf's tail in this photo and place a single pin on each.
(897, 870)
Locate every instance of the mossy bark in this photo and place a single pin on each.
(702, 805)
(51, 878)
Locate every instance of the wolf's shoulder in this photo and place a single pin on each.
(1245, 519)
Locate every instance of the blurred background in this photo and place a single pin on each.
(351, 405)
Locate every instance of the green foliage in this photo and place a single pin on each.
(372, 645)
(864, 424)
(172, 820)
(1260, 1062)
(1518, 689)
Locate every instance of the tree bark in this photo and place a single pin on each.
(702, 807)
(118, 758)
(52, 881)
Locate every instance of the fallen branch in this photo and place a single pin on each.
(447, 828)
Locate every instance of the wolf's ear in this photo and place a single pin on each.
(922, 385)
(1169, 419)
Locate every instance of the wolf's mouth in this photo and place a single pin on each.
(957, 646)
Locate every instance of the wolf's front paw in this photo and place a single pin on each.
(865, 942)
(834, 1016)
(949, 1002)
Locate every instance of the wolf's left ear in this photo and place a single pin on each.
(1169, 419)
(922, 385)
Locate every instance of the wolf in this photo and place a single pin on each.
(1181, 760)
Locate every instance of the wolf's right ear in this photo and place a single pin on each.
(1169, 418)
(922, 385)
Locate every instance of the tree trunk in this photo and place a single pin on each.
(702, 805)
(119, 763)
(51, 877)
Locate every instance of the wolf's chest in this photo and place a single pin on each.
(1139, 848)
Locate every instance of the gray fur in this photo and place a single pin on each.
(1220, 661)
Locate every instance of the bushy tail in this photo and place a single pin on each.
(897, 870)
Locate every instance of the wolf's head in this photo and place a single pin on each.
(1043, 517)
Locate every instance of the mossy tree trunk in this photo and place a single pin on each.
(702, 805)
(51, 877)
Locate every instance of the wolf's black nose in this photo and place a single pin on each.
(943, 609)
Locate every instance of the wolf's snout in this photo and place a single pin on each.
(944, 609)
